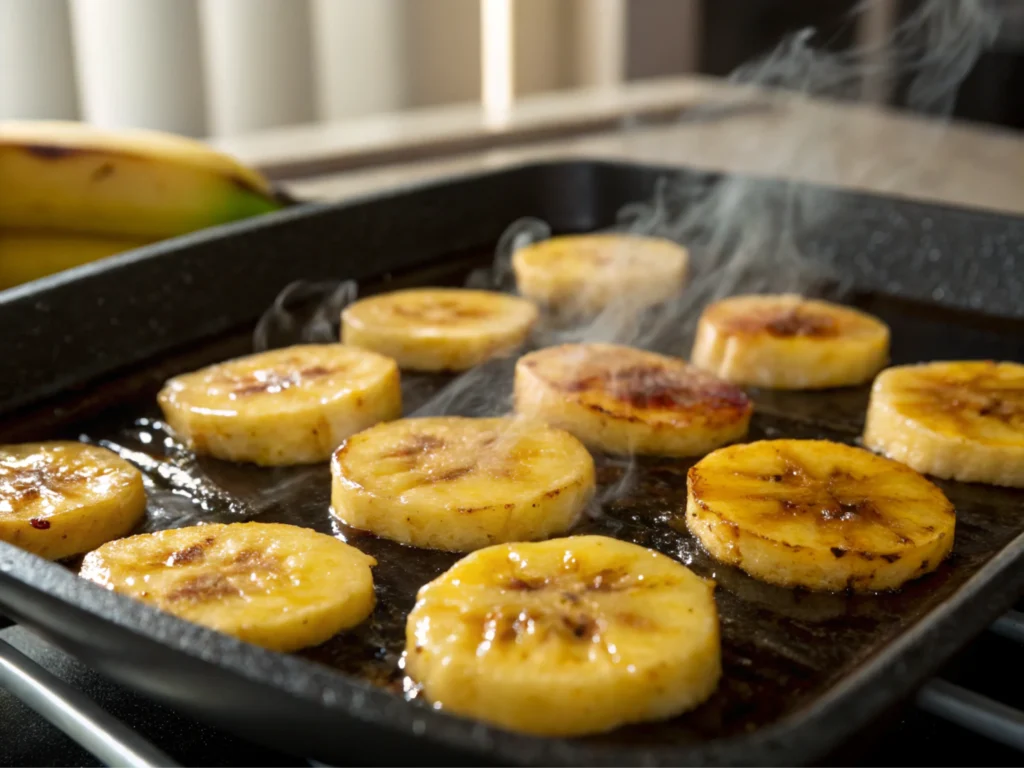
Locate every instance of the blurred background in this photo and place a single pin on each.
(226, 67)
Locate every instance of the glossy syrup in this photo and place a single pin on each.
(781, 648)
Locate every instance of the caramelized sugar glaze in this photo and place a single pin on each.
(781, 648)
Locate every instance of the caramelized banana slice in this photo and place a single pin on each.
(61, 499)
(287, 406)
(277, 586)
(566, 637)
(438, 329)
(816, 514)
(789, 342)
(625, 400)
(960, 420)
(458, 484)
(585, 273)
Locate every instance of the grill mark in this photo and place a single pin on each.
(203, 588)
(416, 445)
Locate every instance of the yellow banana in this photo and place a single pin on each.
(459, 484)
(785, 341)
(30, 254)
(278, 586)
(61, 499)
(961, 420)
(287, 406)
(135, 184)
(565, 637)
(819, 515)
(625, 400)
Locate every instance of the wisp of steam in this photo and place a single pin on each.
(744, 235)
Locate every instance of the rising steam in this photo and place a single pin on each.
(744, 235)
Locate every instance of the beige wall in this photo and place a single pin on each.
(442, 42)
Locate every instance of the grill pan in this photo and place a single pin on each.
(86, 350)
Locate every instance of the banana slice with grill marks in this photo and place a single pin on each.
(960, 420)
(817, 514)
(62, 498)
(278, 586)
(459, 484)
(438, 329)
(565, 637)
(585, 273)
(287, 406)
(789, 342)
(626, 400)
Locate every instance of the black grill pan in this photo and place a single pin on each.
(84, 352)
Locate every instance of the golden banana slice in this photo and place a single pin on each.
(287, 406)
(788, 342)
(459, 484)
(277, 586)
(817, 514)
(565, 637)
(60, 499)
(960, 420)
(585, 273)
(626, 400)
(438, 329)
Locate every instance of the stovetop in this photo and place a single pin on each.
(910, 736)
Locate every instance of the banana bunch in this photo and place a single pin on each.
(72, 193)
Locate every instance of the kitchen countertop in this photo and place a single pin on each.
(699, 122)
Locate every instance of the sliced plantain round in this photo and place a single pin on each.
(819, 515)
(565, 637)
(288, 406)
(785, 341)
(959, 420)
(585, 273)
(625, 400)
(277, 586)
(63, 498)
(459, 484)
(438, 329)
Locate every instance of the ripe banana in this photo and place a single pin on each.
(438, 329)
(960, 420)
(788, 342)
(459, 484)
(565, 637)
(73, 177)
(625, 400)
(585, 273)
(61, 499)
(278, 586)
(287, 406)
(28, 255)
(816, 514)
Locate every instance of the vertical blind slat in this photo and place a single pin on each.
(139, 64)
(259, 63)
(37, 78)
(360, 57)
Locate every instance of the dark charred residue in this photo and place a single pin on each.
(581, 626)
(796, 322)
(39, 524)
(102, 172)
(416, 445)
(656, 387)
(450, 475)
(890, 558)
(526, 585)
(838, 552)
(52, 151)
(204, 588)
(193, 554)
